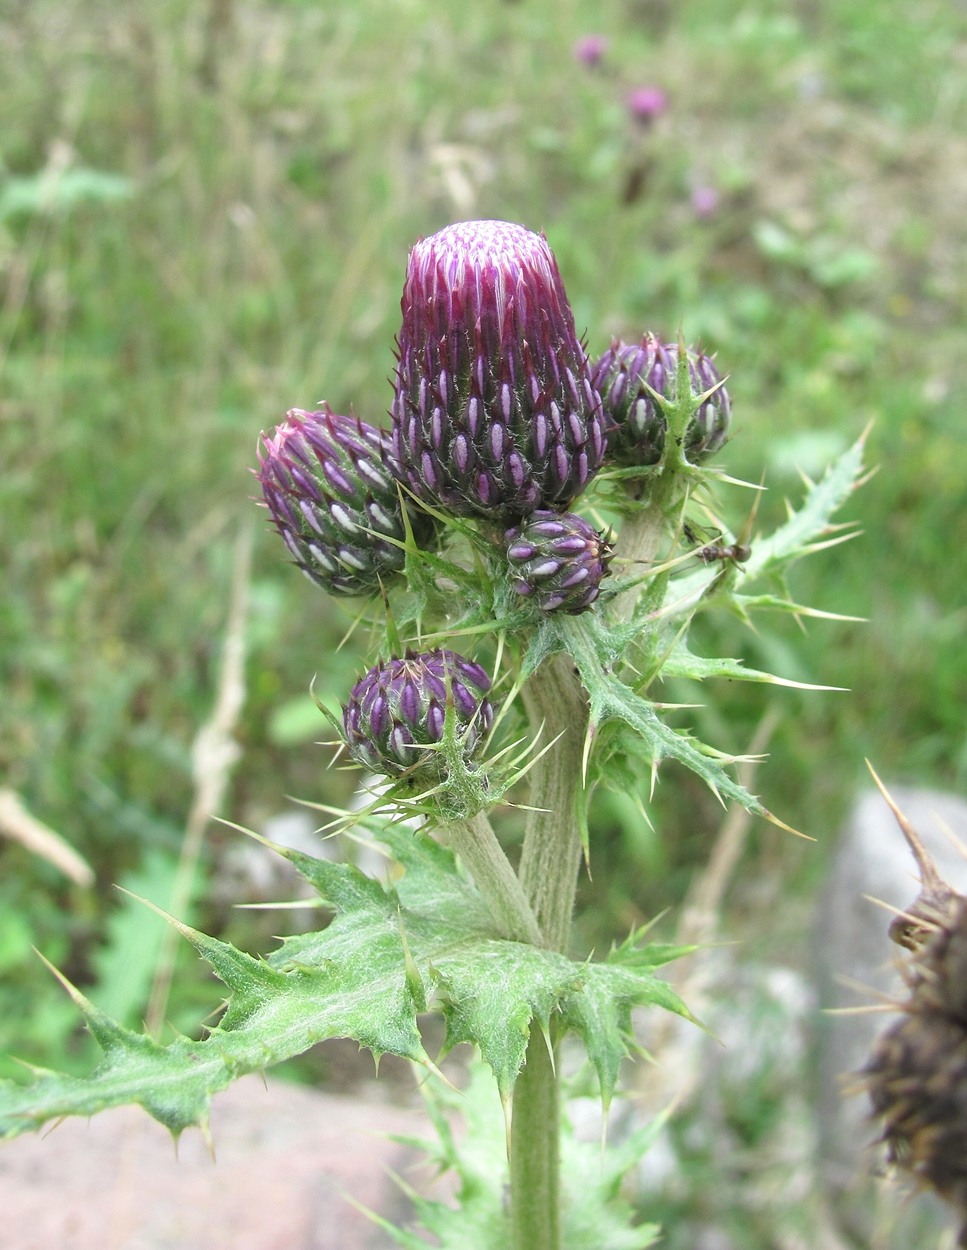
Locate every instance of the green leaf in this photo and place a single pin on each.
(390, 951)
(601, 1011)
(682, 663)
(589, 640)
(595, 1215)
(807, 530)
(60, 191)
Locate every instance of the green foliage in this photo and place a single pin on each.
(60, 191)
(595, 1217)
(258, 265)
(388, 954)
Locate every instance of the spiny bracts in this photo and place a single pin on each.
(398, 709)
(494, 413)
(331, 489)
(627, 374)
(558, 561)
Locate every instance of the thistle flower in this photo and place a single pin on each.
(627, 374)
(330, 488)
(590, 50)
(558, 561)
(644, 104)
(494, 413)
(399, 707)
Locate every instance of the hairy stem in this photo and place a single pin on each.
(476, 843)
(641, 538)
(534, 1151)
(551, 855)
(549, 867)
(550, 861)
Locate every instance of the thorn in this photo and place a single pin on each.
(204, 1127)
(550, 1048)
(781, 824)
(930, 878)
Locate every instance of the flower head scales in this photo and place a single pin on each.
(494, 413)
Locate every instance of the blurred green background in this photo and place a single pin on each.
(205, 210)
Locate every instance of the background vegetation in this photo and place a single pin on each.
(205, 210)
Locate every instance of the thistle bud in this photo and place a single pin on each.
(399, 708)
(330, 488)
(624, 374)
(494, 413)
(558, 561)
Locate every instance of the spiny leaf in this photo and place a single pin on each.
(601, 1013)
(811, 521)
(808, 529)
(683, 663)
(610, 697)
(389, 952)
(594, 1215)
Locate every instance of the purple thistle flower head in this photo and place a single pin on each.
(558, 561)
(705, 201)
(494, 413)
(646, 103)
(331, 491)
(590, 50)
(627, 374)
(399, 707)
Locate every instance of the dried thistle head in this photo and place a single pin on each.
(916, 1077)
(914, 926)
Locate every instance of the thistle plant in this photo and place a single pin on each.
(517, 663)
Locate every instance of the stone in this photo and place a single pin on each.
(289, 1162)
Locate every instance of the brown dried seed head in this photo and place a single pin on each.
(917, 1074)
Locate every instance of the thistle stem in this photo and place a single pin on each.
(476, 843)
(549, 867)
(550, 861)
(534, 1151)
(642, 536)
(551, 856)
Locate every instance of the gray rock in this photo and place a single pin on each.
(287, 1160)
(856, 967)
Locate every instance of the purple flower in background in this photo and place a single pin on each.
(494, 413)
(646, 103)
(398, 709)
(590, 49)
(705, 201)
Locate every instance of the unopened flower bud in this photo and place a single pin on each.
(558, 561)
(494, 412)
(627, 374)
(329, 485)
(398, 709)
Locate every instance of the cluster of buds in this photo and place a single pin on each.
(396, 715)
(498, 416)
(639, 382)
(917, 1075)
